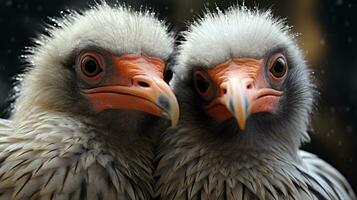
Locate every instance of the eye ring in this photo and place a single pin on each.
(91, 66)
(204, 85)
(278, 67)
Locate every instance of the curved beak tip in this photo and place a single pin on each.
(174, 122)
(170, 108)
(242, 123)
(239, 111)
(175, 114)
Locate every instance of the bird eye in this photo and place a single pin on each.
(90, 66)
(203, 85)
(168, 75)
(278, 66)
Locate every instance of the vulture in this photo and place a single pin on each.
(246, 95)
(88, 108)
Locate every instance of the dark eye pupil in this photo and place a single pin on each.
(168, 76)
(279, 68)
(201, 84)
(91, 67)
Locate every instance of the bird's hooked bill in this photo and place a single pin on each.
(233, 102)
(236, 101)
(136, 83)
(242, 91)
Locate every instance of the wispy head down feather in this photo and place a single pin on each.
(120, 30)
(237, 32)
(243, 33)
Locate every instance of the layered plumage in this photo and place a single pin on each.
(245, 95)
(82, 124)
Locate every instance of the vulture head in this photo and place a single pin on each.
(245, 94)
(106, 64)
(243, 80)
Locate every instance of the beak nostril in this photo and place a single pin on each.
(249, 86)
(143, 84)
(223, 89)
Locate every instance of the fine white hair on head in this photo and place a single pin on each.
(237, 32)
(243, 33)
(117, 29)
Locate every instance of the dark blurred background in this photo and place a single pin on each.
(327, 35)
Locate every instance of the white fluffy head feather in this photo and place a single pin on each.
(237, 32)
(243, 33)
(119, 30)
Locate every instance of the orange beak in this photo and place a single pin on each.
(242, 90)
(136, 83)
